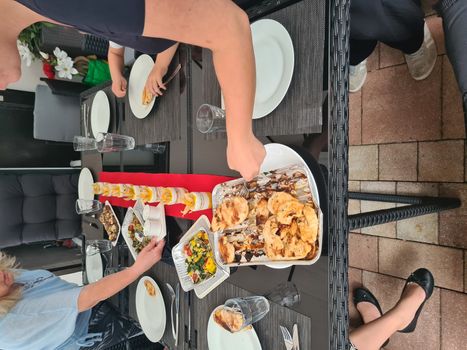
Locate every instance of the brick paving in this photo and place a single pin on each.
(408, 137)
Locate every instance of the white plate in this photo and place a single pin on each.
(150, 311)
(275, 59)
(281, 156)
(220, 339)
(94, 268)
(138, 76)
(100, 113)
(85, 183)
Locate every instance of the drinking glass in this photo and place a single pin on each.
(210, 119)
(81, 143)
(252, 308)
(284, 294)
(87, 206)
(101, 248)
(108, 142)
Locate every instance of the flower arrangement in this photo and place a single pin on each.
(58, 62)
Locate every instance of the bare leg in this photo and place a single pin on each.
(224, 28)
(371, 336)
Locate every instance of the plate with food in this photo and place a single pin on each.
(150, 309)
(194, 260)
(110, 222)
(272, 220)
(141, 100)
(133, 232)
(100, 113)
(85, 185)
(220, 338)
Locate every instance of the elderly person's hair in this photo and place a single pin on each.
(8, 301)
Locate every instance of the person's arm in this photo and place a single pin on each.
(223, 27)
(115, 57)
(103, 289)
(154, 82)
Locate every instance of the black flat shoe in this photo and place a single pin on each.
(364, 295)
(424, 279)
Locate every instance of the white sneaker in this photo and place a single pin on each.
(422, 62)
(357, 76)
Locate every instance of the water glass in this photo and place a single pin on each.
(81, 143)
(108, 142)
(210, 119)
(100, 249)
(252, 308)
(87, 206)
(284, 294)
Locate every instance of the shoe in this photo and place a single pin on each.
(424, 279)
(422, 62)
(363, 294)
(357, 76)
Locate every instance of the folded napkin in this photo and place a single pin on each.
(192, 182)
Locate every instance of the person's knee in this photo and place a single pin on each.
(9, 75)
(407, 17)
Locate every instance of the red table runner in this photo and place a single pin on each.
(192, 182)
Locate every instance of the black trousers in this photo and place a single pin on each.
(454, 14)
(397, 23)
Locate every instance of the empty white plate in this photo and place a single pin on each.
(150, 310)
(220, 339)
(100, 113)
(275, 59)
(138, 76)
(85, 182)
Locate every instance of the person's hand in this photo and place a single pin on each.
(149, 256)
(119, 86)
(246, 155)
(154, 82)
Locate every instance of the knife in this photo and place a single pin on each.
(295, 340)
(177, 308)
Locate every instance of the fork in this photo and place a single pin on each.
(287, 338)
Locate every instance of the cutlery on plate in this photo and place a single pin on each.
(295, 340)
(177, 309)
(287, 338)
(172, 301)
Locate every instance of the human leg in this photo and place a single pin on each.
(224, 28)
(402, 317)
(454, 14)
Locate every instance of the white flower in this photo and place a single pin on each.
(44, 55)
(65, 68)
(24, 53)
(60, 54)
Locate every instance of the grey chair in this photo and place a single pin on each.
(56, 117)
(37, 207)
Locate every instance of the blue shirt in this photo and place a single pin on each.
(46, 317)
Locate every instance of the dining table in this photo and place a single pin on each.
(319, 31)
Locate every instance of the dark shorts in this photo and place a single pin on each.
(121, 21)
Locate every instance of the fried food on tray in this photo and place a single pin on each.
(231, 212)
(109, 221)
(277, 220)
(150, 288)
(146, 97)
